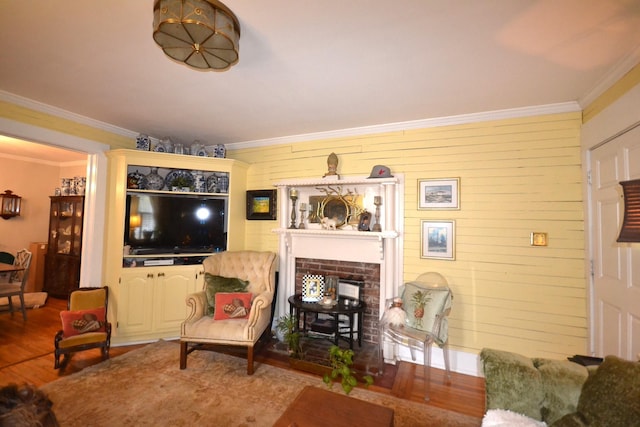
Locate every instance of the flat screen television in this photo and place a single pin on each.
(158, 223)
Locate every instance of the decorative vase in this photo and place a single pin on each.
(212, 184)
(79, 183)
(199, 183)
(220, 151)
(65, 185)
(143, 142)
(223, 183)
(136, 181)
(154, 180)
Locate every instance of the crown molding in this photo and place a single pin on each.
(565, 107)
(619, 71)
(64, 114)
(511, 113)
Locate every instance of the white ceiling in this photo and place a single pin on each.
(316, 66)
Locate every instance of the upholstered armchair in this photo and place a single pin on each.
(239, 291)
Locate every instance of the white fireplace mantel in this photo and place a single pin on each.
(384, 247)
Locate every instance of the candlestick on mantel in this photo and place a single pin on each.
(303, 209)
(293, 195)
(377, 200)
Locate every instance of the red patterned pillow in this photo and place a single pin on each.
(232, 305)
(83, 321)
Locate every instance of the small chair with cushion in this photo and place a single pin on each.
(14, 285)
(84, 324)
(418, 319)
(234, 308)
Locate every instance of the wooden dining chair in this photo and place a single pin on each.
(17, 281)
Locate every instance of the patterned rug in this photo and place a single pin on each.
(31, 300)
(145, 387)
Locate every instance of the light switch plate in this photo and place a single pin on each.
(538, 239)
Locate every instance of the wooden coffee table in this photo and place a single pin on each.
(317, 407)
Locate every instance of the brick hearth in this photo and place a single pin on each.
(367, 273)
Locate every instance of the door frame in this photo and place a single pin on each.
(95, 194)
(591, 253)
(617, 118)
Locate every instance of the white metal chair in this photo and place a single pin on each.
(425, 305)
(17, 280)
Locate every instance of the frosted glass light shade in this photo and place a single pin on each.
(203, 34)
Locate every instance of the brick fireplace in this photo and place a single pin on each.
(367, 273)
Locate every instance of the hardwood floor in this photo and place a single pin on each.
(26, 356)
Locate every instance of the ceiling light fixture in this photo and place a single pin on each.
(630, 231)
(203, 34)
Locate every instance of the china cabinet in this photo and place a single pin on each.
(63, 257)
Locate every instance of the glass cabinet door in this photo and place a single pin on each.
(66, 225)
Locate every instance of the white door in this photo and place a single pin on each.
(616, 266)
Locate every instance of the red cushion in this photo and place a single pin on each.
(232, 305)
(83, 321)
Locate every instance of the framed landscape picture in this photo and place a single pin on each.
(438, 240)
(441, 193)
(261, 204)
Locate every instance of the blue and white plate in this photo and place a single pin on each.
(179, 175)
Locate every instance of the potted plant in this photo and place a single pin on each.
(181, 183)
(341, 361)
(286, 325)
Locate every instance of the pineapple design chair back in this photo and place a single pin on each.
(426, 303)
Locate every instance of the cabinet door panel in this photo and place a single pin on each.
(171, 289)
(135, 302)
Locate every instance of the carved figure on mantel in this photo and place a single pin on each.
(332, 166)
(328, 223)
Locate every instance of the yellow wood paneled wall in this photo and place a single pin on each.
(517, 176)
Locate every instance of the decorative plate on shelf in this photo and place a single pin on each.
(179, 178)
(312, 287)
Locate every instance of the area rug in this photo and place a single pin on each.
(145, 387)
(31, 300)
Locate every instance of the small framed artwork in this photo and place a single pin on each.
(261, 204)
(438, 240)
(312, 287)
(441, 193)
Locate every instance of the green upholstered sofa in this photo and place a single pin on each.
(561, 393)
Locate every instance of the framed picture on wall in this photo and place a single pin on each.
(438, 240)
(443, 193)
(261, 204)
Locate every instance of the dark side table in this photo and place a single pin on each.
(298, 308)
